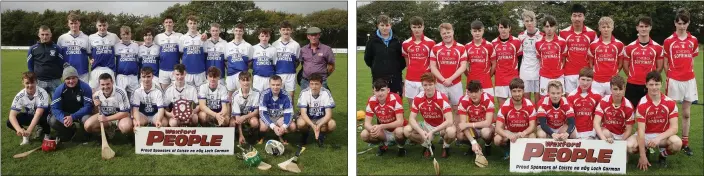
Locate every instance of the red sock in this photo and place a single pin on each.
(685, 140)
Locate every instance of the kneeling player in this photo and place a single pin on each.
(476, 111)
(616, 112)
(113, 109)
(388, 109)
(177, 91)
(316, 105)
(553, 111)
(213, 100)
(148, 102)
(516, 118)
(656, 115)
(435, 108)
(245, 109)
(29, 108)
(275, 110)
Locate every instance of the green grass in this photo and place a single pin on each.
(457, 163)
(73, 158)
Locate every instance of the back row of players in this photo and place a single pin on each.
(550, 60)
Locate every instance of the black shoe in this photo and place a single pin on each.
(304, 138)
(321, 139)
(687, 150)
(401, 152)
(662, 160)
(382, 150)
(445, 152)
(487, 150)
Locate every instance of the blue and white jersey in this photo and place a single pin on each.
(148, 102)
(26, 103)
(127, 58)
(315, 105)
(263, 58)
(113, 103)
(216, 55)
(243, 105)
(149, 57)
(238, 56)
(76, 50)
(193, 55)
(286, 56)
(271, 109)
(102, 49)
(214, 98)
(169, 50)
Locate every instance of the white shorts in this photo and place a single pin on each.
(544, 84)
(412, 88)
(682, 90)
(233, 82)
(389, 136)
(166, 77)
(128, 83)
(502, 91)
(95, 74)
(571, 82)
(288, 82)
(618, 136)
(427, 128)
(150, 119)
(648, 137)
(587, 135)
(454, 92)
(602, 88)
(195, 79)
(531, 86)
(84, 77)
(490, 91)
(260, 83)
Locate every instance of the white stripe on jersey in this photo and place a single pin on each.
(242, 105)
(117, 102)
(213, 98)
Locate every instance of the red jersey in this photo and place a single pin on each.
(614, 118)
(506, 56)
(418, 55)
(584, 106)
(386, 112)
(479, 61)
(516, 120)
(551, 55)
(432, 109)
(656, 117)
(680, 56)
(448, 59)
(641, 60)
(476, 113)
(605, 57)
(556, 117)
(577, 46)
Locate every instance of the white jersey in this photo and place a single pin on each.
(116, 102)
(213, 97)
(244, 105)
(315, 106)
(172, 94)
(148, 102)
(149, 57)
(81, 42)
(238, 55)
(530, 66)
(25, 103)
(287, 55)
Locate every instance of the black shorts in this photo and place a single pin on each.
(634, 93)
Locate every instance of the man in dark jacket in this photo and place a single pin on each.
(71, 103)
(46, 60)
(383, 55)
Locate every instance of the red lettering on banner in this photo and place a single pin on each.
(182, 139)
(565, 154)
(154, 136)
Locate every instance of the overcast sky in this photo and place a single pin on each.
(156, 7)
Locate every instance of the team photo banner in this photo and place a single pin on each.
(591, 156)
(185, 141)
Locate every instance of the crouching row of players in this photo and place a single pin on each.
(581, 114)
(269, 110)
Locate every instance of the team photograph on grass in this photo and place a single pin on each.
(243, 89)
(554, 87)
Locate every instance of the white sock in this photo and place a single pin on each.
(445, 145)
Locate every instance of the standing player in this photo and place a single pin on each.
(238, 53)
(416, 50)
(29, 107)
(77, 46)
(113, 108)
(529, 64)
(316, 105)
(213, 101)
(148, 102)
(275, 110)
(584, 101)
(215, 49)
(169, 55)
(193, 55)
(127, 61)
(657, 124)
(616, 112)
(476, 110)
(507, 49)
(578, 38)
(434, 106)
(448, 61)
(551, 54)
(287, 53)
(515, 119)
(103, 52)
(640, 57)
(680, 50)
(149, 56)
(480, 65)
(245, 108)
(388, 109)
(263, 56)
(181, 90)
(604, 55)
(555, 114)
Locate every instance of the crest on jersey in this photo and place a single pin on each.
(53, 52)
(78, 98)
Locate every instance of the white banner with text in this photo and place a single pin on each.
(185, 141)
(591, 156)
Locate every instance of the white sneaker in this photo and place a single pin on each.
(47, 137)
(25, 141)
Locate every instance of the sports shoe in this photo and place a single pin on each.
(47, 136)
(662, 160)
(687, 151)
(445, 152)
(321, 139)
(25, 141)
(487, 150)
(507, 155)
(35, 133)
(382, 150)
(401, 152)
